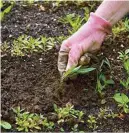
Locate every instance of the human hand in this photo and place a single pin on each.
(87, 39)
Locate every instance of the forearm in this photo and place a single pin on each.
(113, 11)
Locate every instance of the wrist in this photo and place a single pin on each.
(100, 23)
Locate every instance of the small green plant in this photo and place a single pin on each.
(87, 13)
(68, 114)
(75, 21)
(103, 63)
(122, 26)
(31, 121)
(6, 10)
(102, 83)
(105, 113)
(122, 101)
(92, 122)
(125, 83)
(4, 47)
(74, 71)
(124, 56)
(5, 125)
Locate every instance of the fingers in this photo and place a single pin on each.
(63, 57)
(74, 56)
(85, 59)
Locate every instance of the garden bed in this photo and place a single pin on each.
(33, 82)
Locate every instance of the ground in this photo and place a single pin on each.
(34, 82)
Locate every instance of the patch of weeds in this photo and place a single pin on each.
(68, 114)
(105, 113)
(124, 56)
(122, 101)
(5, 124)
(102, 83)
(75, 21)
(75, 71)
(92, 122)
(25, 45)
(26, 121)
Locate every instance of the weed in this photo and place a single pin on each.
(75, 21)
(5, 47)
(102, 83)
(87, 13)
(31, 121)
(103, 63)
(75, 71)
(125, 83)
(6, 10)
(124, 56)
(122, 101)
(75, 128)
(92, 122)
(5, 124)
(105, 113)
(122, 26)
(68, 114)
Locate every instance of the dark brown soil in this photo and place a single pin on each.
(34, 82)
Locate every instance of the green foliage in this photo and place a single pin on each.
(102, 83)
(124, 56)
(121, 26)
(122, 101)
(68, 113)
(87, 13)
(105, 113)
(77, 70)
(75, 21)
(92, 122)
(24, 45)
(4, 47)
(103, 63)
(125, 83)
(6, 10)
(31, 121)
(5, 125)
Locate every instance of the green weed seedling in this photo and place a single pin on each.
(102, 83)
(122, 26)
(124, 56)
(68, 114)
(105, 113)
(6, 10)
(31, 121)
(5, 124)
(74, 71)
(125, 83)
(92, 122)
(122, 101)
(75, 21)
